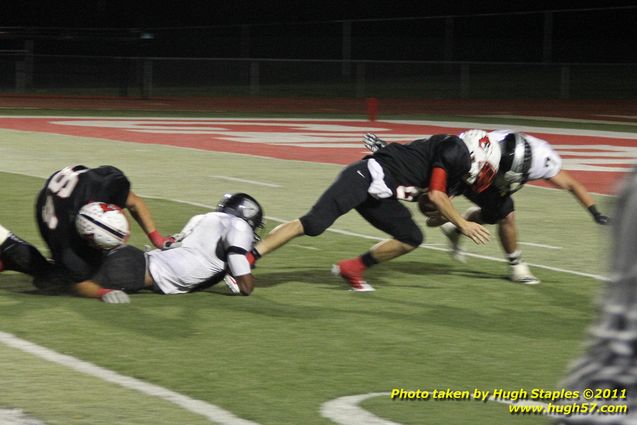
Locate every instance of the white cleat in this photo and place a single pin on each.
(520, 273)
(455, 242)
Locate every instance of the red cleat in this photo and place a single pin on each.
(352, 271)
(1, 266)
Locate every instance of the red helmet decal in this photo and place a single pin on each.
(109, 207)
(485, 178)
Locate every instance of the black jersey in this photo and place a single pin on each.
(58, 203)
(411, 164)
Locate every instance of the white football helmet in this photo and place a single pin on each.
(485, 159)
(102, 225)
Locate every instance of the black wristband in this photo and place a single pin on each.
(256, 253)
(593, 210)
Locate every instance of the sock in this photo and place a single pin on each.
(368, 260)
(514, 258)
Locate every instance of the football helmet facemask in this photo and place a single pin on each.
(515, 163)
(485, 159)
(243, 206)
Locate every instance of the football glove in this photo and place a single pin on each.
(601, 219)
(231, 283)
(116, 297)
(373, 142)
(597, 216)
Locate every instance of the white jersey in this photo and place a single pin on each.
(212, 242)
(545, 162)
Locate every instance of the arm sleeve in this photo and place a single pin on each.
(238, 242)
(438, 180)
(238, 264)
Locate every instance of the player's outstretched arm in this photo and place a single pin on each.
(142, 216)
(90, 289)
(474, 231)
(565, 181)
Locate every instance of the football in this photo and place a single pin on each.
(426, 206)
(102, 225)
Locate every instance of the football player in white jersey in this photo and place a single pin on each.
(210, 247)
(524, 158)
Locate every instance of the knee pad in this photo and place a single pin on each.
(413, 238)
(313, 225)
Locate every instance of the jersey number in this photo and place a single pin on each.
(61, 185)
(408, 193)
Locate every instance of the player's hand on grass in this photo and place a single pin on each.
(601, 219)
(116, 297)
(475, 232)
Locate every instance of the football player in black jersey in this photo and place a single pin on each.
(375, 185)
(63, 194)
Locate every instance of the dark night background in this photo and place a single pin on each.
(543, 49)
(286, 29)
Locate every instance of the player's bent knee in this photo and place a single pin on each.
(412, 239)
(313, 225)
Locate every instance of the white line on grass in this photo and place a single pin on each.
(210, 411)
(540, 245)
(17, 417)
(311, 248)
(565, 120)
(346, 411)
(376, 238)
(235, 179)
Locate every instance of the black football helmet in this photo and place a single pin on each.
(515, 163)
(243, 206)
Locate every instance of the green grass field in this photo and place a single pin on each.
(301, 339)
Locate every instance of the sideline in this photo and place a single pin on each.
(213, 413)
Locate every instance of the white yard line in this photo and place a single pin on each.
(540, 245)
(235, 179)
(566, 120)
(527, 128)
(346, 411)
(376, 124)
(311, 248)
(17, 417)
(214, 413)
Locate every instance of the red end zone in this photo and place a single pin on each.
(597, 161)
